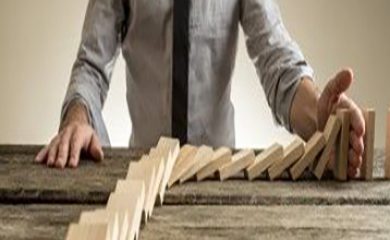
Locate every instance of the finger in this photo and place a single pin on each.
(53, 149)
(332, 157)
(357, 119)
(357, 122)
(352, 172)
(95, 148)
(63, 149)
(41, 156)
(357, 143)
(75, 148)
(339, 84)
(354, 160)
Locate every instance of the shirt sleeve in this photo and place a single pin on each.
(99, 48)
(279, 62)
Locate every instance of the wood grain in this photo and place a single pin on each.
(22, 181)
(49, 222)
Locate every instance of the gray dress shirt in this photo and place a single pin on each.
(180, 56)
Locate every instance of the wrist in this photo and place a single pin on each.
(304, 111)
(76, 113)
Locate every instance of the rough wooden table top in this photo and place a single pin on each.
(39, 203)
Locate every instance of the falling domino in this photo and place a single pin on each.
(181, 158)
(220, 157)
(369, 138)
(291, 154)
(159, 165)
(201, 159)
(185, 161)
(240, 161)
(264, 160)
(101, 216)
(387, 159)
(129, 207)
(331, 132)
(144, 170)
(168, 149)
(88, 231)
(312, 148)
(342, 146)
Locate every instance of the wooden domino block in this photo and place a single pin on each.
(184, 162)
(331, 132)
(168, 149)
(312, 149)
(387, 158)
(369, 139)
(342, 146)
(264, 160)
(88, 231)
(101, 216)
(220, 157)
(144, 170)
(201, 159)
(129, 207)
(240, 161)
(159, 164)
(291, 154)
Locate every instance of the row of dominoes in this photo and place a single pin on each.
(203, 162)
(133, 200)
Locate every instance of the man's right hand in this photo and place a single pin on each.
(75, 136)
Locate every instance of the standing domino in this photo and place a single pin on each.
(341, 161)
(387, 160)
(369, 138)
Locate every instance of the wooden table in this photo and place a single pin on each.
(39, 203)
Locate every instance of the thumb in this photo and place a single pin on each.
(95, 148)
(330, 96)
(339, 84)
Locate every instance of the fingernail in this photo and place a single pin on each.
(71, 163)
(58, 164)
(50, 163)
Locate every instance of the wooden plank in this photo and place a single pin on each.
(88, 231)
(387, 149)
(221, 156)
(168, 149)
(50, 222)
(240, 161)
(243, 222)
(264, 160)
(39, 221)
(202, 158)
(312, 149)
(129, 208)
(23, 182)
(291, 154)
(369, 138)
(331, 132)
(143, 170)
(103, 217)
(341, 161)
(185, 161)
(28, 181)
